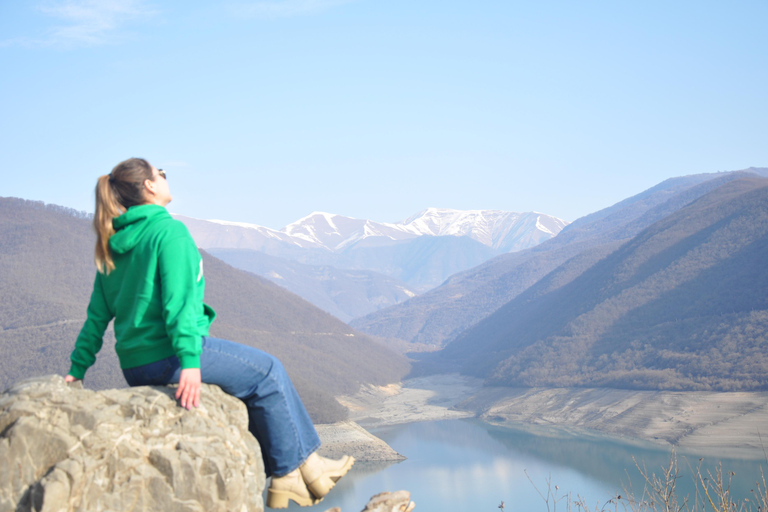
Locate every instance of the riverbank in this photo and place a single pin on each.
(423, 399)
(349, 438)
(722, 424)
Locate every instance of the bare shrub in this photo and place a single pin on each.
(659, 493)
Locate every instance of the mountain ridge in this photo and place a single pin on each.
(345, 294)
(682, 305)
(376, 264)
(437, 316)
(46, 279)
(336, 233)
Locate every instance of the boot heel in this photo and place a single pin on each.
(276, 499)
(281, 499)
(321, 486)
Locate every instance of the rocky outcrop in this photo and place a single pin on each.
(716, 423)
(349, 438)
(65, 448)
(398, 501)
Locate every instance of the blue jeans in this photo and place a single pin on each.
(276, 416)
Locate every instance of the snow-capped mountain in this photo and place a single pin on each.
(505, 231)
(336, 232)
(398, 259)
(500, 230)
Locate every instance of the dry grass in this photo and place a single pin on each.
(659, 493)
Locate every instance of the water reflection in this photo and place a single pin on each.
(615, 463)
(470, 465)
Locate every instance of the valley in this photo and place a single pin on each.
(645, 321)
(354, 267)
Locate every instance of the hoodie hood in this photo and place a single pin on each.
(131, 226)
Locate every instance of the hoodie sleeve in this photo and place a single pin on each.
(91, 335)
(180, 267)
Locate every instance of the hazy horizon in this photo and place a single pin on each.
(265, 111)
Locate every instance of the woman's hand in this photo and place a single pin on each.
(70, 378)
(189, 388)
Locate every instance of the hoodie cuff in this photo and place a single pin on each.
(77, 371)
(189, 361)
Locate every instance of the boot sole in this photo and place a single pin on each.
(280, 499)
(323, 484)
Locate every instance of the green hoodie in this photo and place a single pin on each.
(155, 294)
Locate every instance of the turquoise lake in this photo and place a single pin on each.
(473, 466)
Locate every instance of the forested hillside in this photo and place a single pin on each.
(46, 274)
(434, 318)
(682, 305)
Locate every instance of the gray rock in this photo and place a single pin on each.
(349, 438)
(65, 448)
(398, 501)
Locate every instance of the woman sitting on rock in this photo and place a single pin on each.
(150, 280)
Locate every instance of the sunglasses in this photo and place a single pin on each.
(161, 172)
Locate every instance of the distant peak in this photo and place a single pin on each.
(231, 223)
(314, 215)
(450, 213)
(499, 229)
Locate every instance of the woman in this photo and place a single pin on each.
(150, 280)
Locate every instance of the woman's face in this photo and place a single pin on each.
(157, 189)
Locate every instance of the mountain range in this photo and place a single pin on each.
(352, 267)
(46, 274)
(431, 320)
(500, 230)
(664, 290)
(682, 305)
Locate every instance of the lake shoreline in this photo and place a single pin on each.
(723, 424)
(718, 424)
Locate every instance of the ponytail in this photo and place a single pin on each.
(115, 193)
(107, 208)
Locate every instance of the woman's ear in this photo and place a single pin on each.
(150, 188)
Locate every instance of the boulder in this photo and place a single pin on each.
(349, 438)
(398, 501)
(65, 448)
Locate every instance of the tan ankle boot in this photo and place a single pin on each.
(321, 474)
(289, 487)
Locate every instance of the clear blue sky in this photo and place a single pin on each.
(265, 111)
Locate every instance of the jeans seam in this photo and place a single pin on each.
(297, 437)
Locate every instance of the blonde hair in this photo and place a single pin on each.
(115, 193)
